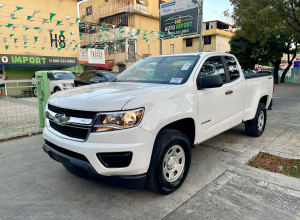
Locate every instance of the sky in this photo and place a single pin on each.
(213, 10)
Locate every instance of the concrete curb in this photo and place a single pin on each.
(238, 165)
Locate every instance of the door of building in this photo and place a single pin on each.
(131, 53)
(122, 68)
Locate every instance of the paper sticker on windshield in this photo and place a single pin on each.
(176, 80)
(186, 66)
(55, 76)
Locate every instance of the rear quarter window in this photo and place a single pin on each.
(233, 68)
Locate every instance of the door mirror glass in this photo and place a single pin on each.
(210, 81)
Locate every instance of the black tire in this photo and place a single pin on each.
(252, 126)
(34, 91)
(57, 90)
(167, 139)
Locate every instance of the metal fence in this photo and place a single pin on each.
(21, 108)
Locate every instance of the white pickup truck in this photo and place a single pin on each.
(139, 130)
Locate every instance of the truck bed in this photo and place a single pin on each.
(255, 75)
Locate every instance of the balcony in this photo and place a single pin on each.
(91, 56)
(115, 7)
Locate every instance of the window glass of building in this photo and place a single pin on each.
(207, 40)
(233, 68)
(89, 10)
(213, 66)
(189, 42)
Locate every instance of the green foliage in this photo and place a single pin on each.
(274, 24)
(243, 49)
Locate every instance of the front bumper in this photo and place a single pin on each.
(85, 170)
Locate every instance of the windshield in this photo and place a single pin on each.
(63, 75)
(162, 70)
(110, 76)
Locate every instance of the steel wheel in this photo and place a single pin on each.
(261, 120)
(35, 91)
(173, 163)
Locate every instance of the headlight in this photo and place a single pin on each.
(113, 121)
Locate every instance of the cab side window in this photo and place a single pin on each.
(233, 68)
(213, 66)
(50, 76)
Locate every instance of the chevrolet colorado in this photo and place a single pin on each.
(139, 130)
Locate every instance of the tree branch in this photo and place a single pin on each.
(292, 26)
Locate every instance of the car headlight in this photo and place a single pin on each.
(114, 121)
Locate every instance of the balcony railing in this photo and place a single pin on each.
(92, 56)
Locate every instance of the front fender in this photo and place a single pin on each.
(165, 107)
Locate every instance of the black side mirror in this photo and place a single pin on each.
(209, 81)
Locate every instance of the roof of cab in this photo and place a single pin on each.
(192, 54)
(53, 71)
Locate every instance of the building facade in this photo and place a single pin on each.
(30, 40)
(215, 38)
(134, 16)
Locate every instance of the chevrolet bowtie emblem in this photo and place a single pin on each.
(61, 119)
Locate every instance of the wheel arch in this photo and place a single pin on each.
(185, 125)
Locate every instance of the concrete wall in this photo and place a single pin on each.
(219, 41)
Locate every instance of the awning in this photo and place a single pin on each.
(108, 65)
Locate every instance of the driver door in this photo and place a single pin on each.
(215, 104)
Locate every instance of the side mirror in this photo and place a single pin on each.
(210, 81)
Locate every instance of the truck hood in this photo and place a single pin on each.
(110, 96)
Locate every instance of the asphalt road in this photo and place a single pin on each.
(33, 186)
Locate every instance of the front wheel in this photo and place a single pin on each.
(170, 162)
(256, 126)
(57, 90)
(35, 92)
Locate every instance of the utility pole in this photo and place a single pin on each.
(160, 40)
(200, 10)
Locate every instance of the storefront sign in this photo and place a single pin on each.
(25, 60)
(297, 64)
(180, 23)
(176, 6)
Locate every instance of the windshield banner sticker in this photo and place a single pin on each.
(176, 80)
(186, 66)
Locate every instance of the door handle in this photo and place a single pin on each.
(228, 92)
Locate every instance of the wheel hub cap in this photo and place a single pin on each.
(261, 120)
(171, 163)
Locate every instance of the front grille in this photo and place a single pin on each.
(73, 113)
(67, 152)
(73, 132)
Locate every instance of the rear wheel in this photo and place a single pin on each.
(256, 126)
(170, 162)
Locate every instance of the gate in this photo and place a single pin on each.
(22, 107)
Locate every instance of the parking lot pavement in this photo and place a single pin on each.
(233, 196)
(33, 186)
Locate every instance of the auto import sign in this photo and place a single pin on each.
(179, 18)
(25, 60)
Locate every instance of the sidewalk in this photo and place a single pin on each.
(33, 186)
